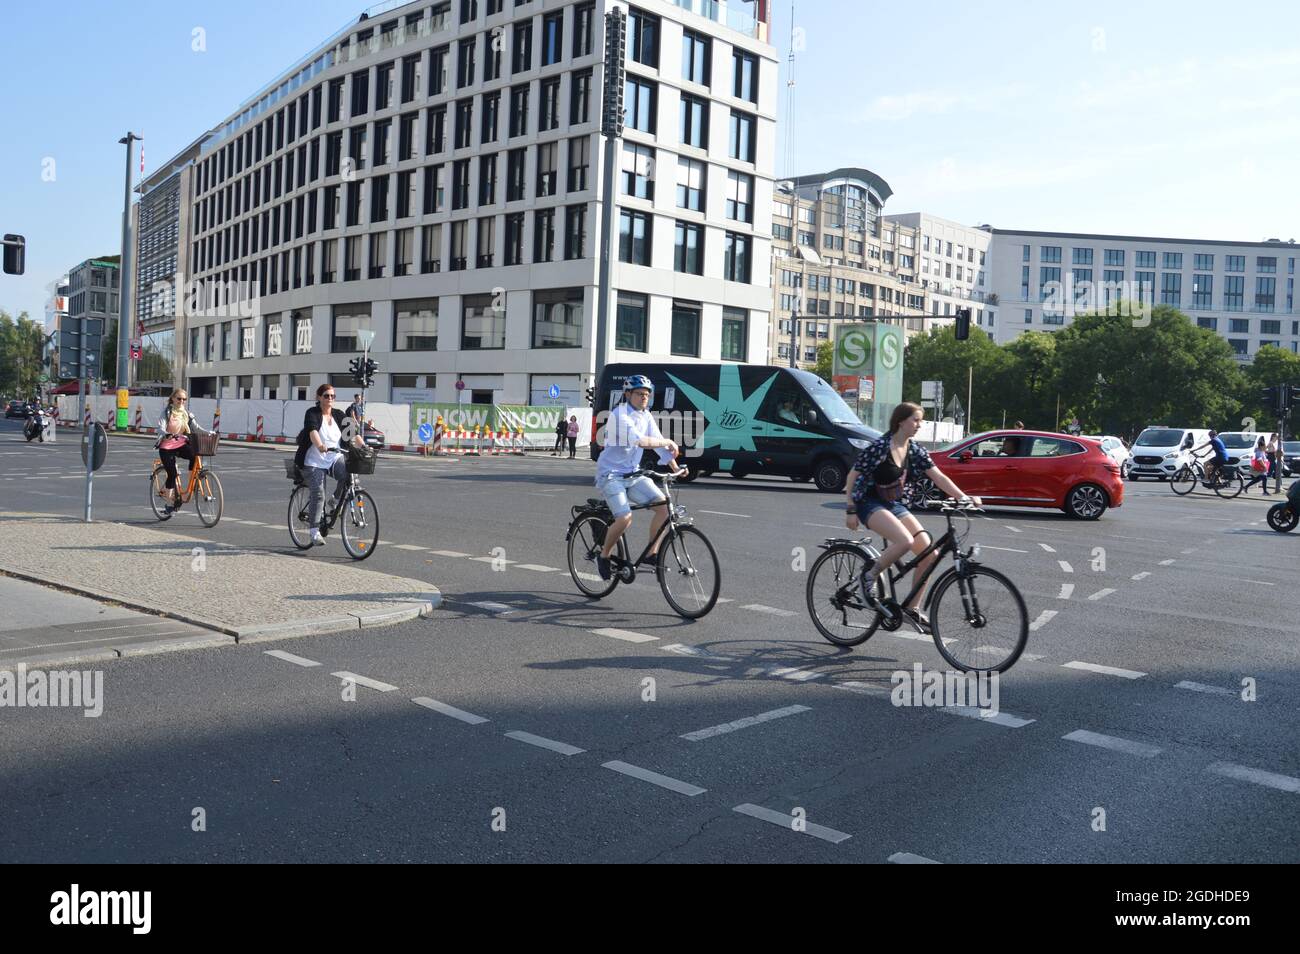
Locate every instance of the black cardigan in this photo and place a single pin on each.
(311, 421)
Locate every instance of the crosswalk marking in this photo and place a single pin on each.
(1101, 594)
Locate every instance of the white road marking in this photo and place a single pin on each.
(696, 653)
(907, 858)
(1111, 742)
(1167, 562)
(654, 778)
(1238, 579)
(593, 577)
(290, 657)
(1187, 551)
(447, 710)
(1102, 594)
(760, 608)
(861, 688)
(407, 546)
(1032, 657)
(921, 637)
(562, 747)
(793, 672)
(364, 681)
(985, 546)
(1066, 590)
(723, 513)
(1047, 548)
(1202, 687)
(827, 526)
(745, 723)
(1044, 618)
(1140, 576)
(983, 715)
(625, 635)
(501, 609)
(1065, 567)
(538, 568)
(787, 822)
(1104, 670)
(1244, 773)
(1014, 530)
(102, 629)
(448, 553)
(490, 559)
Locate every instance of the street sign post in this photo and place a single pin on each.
(553, 391)
(94, 448)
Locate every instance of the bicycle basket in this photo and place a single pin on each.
(293, 472)
(361, 461)
(205, 445)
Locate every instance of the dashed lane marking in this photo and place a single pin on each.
(1202, 687)
(985, 546)
(1032, 657)
(907, 858)
(537, 568)
(1238, 579)
(862, 688)
(787, 822)
(921, 637)
(1113, 743)
(987, 715)
(771, 610)
(408, 546)
(1014, 530)
(1044, 618)
(449, 553)
(290, 657)
(654, 778)
(723, 513)
(1140, 576)
(744, 723)
(1167, 562)
(625, 635)
(1104, 670)
(1187, 551)
(374, 684)
(1245, 773)
(562, 747)
(1066, 590)
(1102, 594)
(491, 559)
(1047, 548)
(447, 710)
(1065, 567)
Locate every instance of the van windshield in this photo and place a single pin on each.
(1158, 437)
(1239, 441)
(830, 403)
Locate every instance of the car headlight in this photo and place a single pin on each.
(1170, 456)
(859, 443)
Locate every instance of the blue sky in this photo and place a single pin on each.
(1155, 119)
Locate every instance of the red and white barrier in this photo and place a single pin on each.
(261, 434)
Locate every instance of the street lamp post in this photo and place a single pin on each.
(124, 273)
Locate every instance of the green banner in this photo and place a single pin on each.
(533, 421)
(888, 364)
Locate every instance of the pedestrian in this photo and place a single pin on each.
(320, 456)
(561, 433)
(174, 430)
(1259, 464)
(573, 436)
(1274, 455)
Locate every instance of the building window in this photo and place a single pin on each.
(519, 111)
(415, 324)
(1173, 260)
(557, 318)
(695, 122)
(1239, 326)
(1046, 253)
(579, 151)
(514, 238)
(301, 333)
(1144, 259)
(328, 260)
(544, 235)
(1239, 346)
(686, 329)
(575, 232)
(1171, 288)
(548, 117)
(403, 251)
(516, 164)
(696, 56)
(435, 184)
(552, 27)
(688, 255)
(464, 124)
(348, 320)
(643, 37)
(639, 99)
(740, 197)
(634, 237)
(1234, 292)
(1267, 265)
(1265, 293)
(487, 180)
(638, 170)
(1081, 256)
(1146, 286)
(583, 16)
(1203, 263)
(491, 115)
(460, 184)
(745, 83)
(1203, 290)
(459, 253)
(483, 323)
(1234, 263)
(1114, 257)
(523, 47)
(487, 237)
(1269, 326)
(1210, 324)
(360, 92)
(737, 257)
(351, 258)
(436, 133)
(630, 333)
(379, 199)
(547, 164)
(579, 97)
(690, 185)
(742, 136)
(735, 334)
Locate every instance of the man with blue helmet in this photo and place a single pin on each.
(630, 430)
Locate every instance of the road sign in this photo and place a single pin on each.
(425, 432)
(853, 347)
(553, 391)
(460, 385)
(866, 389)
(100, 438)
(44, 379)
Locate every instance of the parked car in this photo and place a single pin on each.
(1035, 469)
(1116, 450)
(1291, 458)
(16, 409)
(372, 436)
(1161, 451)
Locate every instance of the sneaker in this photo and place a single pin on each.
(602, 567)
(919, 620)
(316, 539)
(651, 559)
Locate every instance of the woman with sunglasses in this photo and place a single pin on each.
(324, 425)
(174, 430)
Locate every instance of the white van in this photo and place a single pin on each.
(1160, 450)
(1239, 445)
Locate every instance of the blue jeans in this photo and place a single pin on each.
(316, 487)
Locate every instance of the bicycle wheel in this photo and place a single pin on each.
(359, 525)
(984, 619)
(300, 518)
(688, 572)
(1183, 482)
(157, 488)
(209, 500)
(1229, 485)
(835, 599)
(586, 537)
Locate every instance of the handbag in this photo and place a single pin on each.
(1258, 465)
(891, 492)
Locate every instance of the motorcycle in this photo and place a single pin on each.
(1283, 517)
(35, 426)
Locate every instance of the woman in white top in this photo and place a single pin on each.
(175, 427)
(324, 425)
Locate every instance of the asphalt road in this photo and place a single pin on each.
(536, 716)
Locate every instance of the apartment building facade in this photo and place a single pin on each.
(837, 258)
(93, 289)
(432, 175)
(1244, 291)
(953, 262)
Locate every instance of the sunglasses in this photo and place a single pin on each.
(180, 400)
(328, 394)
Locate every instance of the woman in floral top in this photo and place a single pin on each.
(876, 487)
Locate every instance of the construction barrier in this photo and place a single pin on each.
(261, 434)
(139, 418)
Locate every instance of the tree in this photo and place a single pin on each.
(1272, 366)
(22, 344)
(825, 361)
(939, 356)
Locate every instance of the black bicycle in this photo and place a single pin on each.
(688, 569)
(978, 618)
(1227, 482)
(356, 511)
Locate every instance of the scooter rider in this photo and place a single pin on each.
(629, 430)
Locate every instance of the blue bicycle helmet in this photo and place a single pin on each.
(636, 381)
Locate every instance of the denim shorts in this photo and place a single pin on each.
(871, 503)
(618, 491)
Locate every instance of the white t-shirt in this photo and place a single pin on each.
(623, 428)
(330, 436)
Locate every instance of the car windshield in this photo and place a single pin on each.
(831, 404)
(1291, 447)
(1158, 437)
(1239, 441)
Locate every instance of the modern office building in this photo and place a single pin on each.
(836, 258)
(952, 261)
(432, 174)
(93, 287)
(1244, 291)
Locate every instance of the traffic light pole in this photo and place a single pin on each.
(124, 326)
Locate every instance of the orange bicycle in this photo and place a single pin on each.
(203, 486)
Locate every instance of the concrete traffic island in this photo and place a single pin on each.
(239, 594)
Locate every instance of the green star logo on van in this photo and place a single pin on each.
(733, 417)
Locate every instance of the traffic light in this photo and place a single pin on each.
(591, 397)
(357, 369)
(369, 368)
(15, 254)
(1293, 395)
(963, 324)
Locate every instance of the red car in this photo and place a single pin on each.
(1035, 469)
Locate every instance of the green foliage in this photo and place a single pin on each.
(825, 361)
(21, 345)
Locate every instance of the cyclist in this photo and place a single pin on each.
(875, 488)
(321, 457)
(1220, 456)
(629, 429)
(174, 430)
